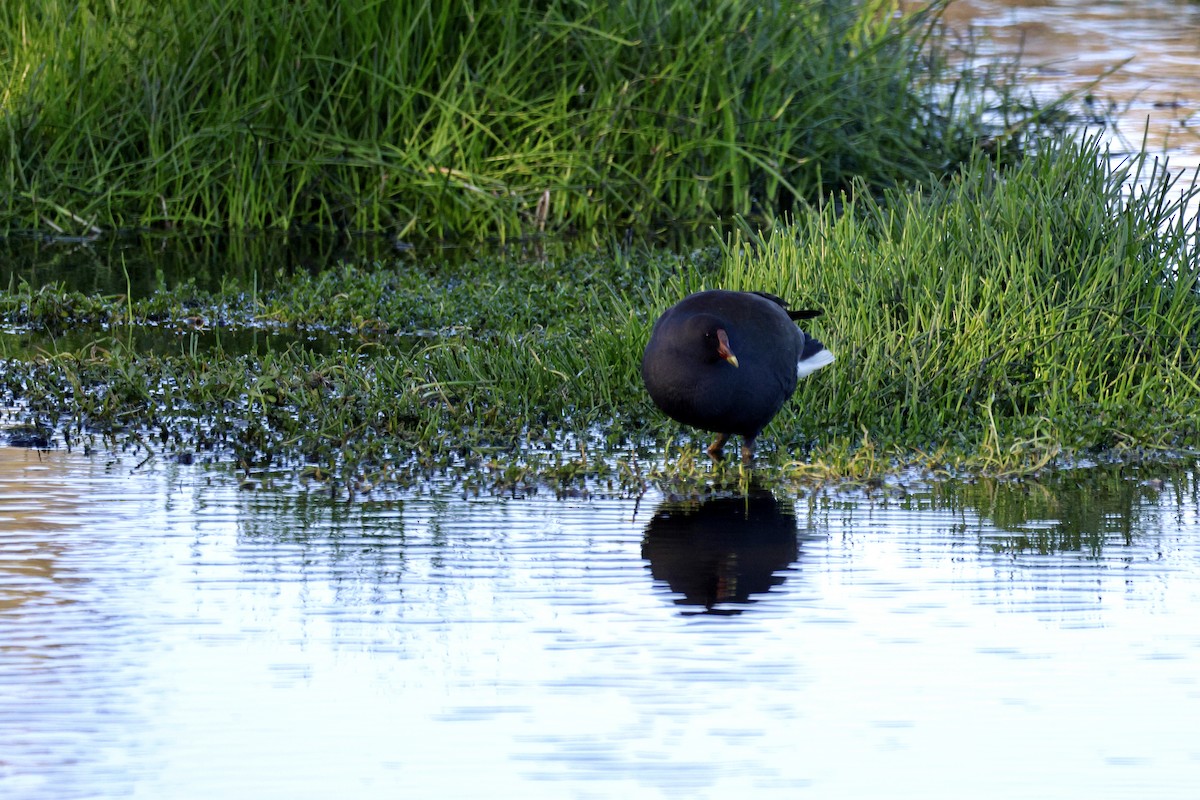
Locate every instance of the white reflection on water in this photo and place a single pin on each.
(1067, 44)
(167, 635)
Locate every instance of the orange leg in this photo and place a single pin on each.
(747, 450)
(717, 449)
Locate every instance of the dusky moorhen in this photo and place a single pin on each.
(727, 362)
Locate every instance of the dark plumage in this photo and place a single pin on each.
(727, 362)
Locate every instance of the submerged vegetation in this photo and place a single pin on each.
(468, 119)
(998, 322)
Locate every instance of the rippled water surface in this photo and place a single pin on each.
(164, 633)
(1146, 54)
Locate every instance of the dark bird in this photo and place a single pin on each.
(727, 362)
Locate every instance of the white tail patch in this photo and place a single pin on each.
(807, 366)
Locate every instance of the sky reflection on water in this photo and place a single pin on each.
(1066, 45)
(166, 634)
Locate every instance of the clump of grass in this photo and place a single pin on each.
(1052, 307)
(471, 119)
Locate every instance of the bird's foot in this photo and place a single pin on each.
(716, 450)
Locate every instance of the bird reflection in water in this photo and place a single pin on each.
(721, 550)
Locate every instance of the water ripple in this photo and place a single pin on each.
(164, 633)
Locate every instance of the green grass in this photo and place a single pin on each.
(470, 119)
(999, 323)
(1048, 307)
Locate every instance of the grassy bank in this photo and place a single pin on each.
(1051, 310)
(997, 323)
(470, 119)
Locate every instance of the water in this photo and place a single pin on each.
(1066, 45)
(167, 634)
